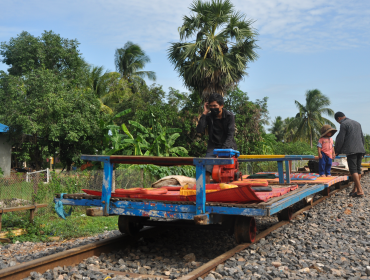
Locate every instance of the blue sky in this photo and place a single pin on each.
(305, 44)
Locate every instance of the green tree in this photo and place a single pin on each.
(110, 88)
(44, 96)
(155, 140)
(284, 130)
(95, 80)
(26, 53)
(290, 128)
(216, 45)
(249, 118)
(130, 60)
(367, 143)
(309, 118)
(277, 128)
(294, 148)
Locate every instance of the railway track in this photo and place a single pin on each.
(76, 255)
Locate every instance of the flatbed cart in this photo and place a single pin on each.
(238, 218)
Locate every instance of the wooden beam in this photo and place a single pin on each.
(94, 212)
(5, 240)
(16, 232)
(22, 208)
(32, 215)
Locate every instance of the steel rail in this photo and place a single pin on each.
(76, 255)
(204, 270)
(73, 256)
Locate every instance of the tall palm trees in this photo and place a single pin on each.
(115, 88)
(130, 60)
(277, 128)
(216, 45)
(109, 87)
(309, 120)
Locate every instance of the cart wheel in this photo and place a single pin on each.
(245, 229)
(130, 225)
(286, 214)
(228, 223)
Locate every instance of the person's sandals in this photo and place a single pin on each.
(352, 193)
(358, 195)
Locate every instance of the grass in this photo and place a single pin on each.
(47, 224)
(21, 190)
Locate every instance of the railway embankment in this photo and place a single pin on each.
(330, 241)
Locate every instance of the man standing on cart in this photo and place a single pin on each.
(221, 128)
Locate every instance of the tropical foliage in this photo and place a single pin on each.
(44, 99)
(67, 107)
(309, 119)
(249, 118)
(284, 130)
(130, 60)
(367, 143)
(153, 141)
(217, 43)
(278, 128)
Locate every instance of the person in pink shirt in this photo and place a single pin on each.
(325, 148)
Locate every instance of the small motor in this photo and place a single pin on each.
(228, 172)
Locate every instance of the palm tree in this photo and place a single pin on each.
(95, 80)
(130, 60)
(109, 88)
(277, 128)
(290, 128)
(216, 45)
(309, 118)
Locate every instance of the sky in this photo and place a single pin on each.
(305, 44)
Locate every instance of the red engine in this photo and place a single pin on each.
(226, 173)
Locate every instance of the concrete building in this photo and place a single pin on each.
(5, 151)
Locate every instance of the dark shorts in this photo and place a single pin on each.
(210, 154)
(354, 163)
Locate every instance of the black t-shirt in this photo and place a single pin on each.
(218, 133)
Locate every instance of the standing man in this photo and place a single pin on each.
(221, 128)
(350, 141)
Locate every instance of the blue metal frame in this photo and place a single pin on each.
(186, 211)
(290, 200)
(107, 187)
(200, 164)
(165, 210)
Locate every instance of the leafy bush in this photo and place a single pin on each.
(72, 183)
(294, 148)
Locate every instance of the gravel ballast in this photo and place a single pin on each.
(330, 241)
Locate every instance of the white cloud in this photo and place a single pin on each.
(284, 25)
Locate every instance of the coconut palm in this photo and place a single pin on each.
(277, 128)
(130, 60)
(290, 128)
(110, 88)
(309, 118)
(216, 45)
(95, 80)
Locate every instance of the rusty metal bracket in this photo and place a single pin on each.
(202, 219)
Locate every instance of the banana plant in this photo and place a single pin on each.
(156, 140)
(138, 143)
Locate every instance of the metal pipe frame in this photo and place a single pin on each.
(199, 211)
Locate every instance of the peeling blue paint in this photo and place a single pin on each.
(186, 212)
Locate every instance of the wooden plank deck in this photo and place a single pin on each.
(328, 181)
